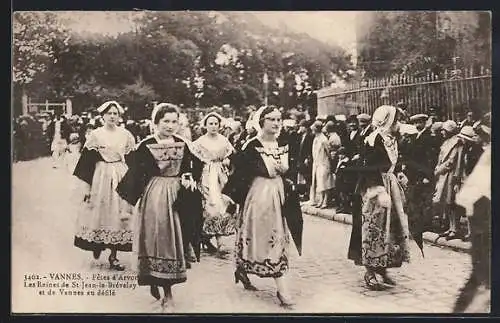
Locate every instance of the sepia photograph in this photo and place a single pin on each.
(280, 162)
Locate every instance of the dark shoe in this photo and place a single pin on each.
(284, 301)
(466, 237)
(371, 281)
(445, 234)
(166, 305)
(115, 264)
(388, 280)
(97, 253)
(188, 264)
(242, 276)
(209, 247)
(155, 292)
(451, 236)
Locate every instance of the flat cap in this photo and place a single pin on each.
(419, 117)
(364, 117)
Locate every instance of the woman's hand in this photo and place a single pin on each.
(280, 169)
(403, 180)
(86, 190)
(384, 199)
(188, 182)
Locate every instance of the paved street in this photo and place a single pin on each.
(45, 205)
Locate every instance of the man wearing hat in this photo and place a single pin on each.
(304, 160)
(346, 178)
(420, 171)
(472, 151)
(435, 113)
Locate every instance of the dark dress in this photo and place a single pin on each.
(380, 235)
(270, 210)
(166, 209)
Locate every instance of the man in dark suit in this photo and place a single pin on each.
(304, 159)
(353, 142)
(346, 178)
(420, 171)
(365, 125)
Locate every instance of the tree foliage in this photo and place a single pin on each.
(34, 36)
(417, 42)
(188, 58)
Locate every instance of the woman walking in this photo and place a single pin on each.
(259, 184)
(384, 231)
(162, 175)
(214, 150)
(323, 179)
(104, 222)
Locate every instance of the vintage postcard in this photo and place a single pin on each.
(251, 162)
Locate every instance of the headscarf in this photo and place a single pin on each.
(260, 115)
(221, 119)
(382, 120)
(105, 105)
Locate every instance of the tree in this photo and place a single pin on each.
(418, 42)
(136, 96)
(34, 37)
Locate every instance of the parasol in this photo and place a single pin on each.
(293, 215)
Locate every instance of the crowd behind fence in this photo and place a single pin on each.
(454, 92)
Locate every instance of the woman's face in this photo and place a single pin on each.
(212, 125)
(272, 124)
(111, 116)
(168, 125)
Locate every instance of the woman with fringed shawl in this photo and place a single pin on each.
(268, 202)
(162, 175)
(215, 150)
(104, 222)
(383, 226)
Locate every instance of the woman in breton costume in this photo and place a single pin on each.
(383, 229)
(214, 150)
(104, 222)
(162, 176)
(268, 202)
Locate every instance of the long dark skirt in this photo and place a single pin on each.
(354, 252)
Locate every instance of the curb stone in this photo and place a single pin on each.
(429, 237)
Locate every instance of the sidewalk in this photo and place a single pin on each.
(429, 237)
